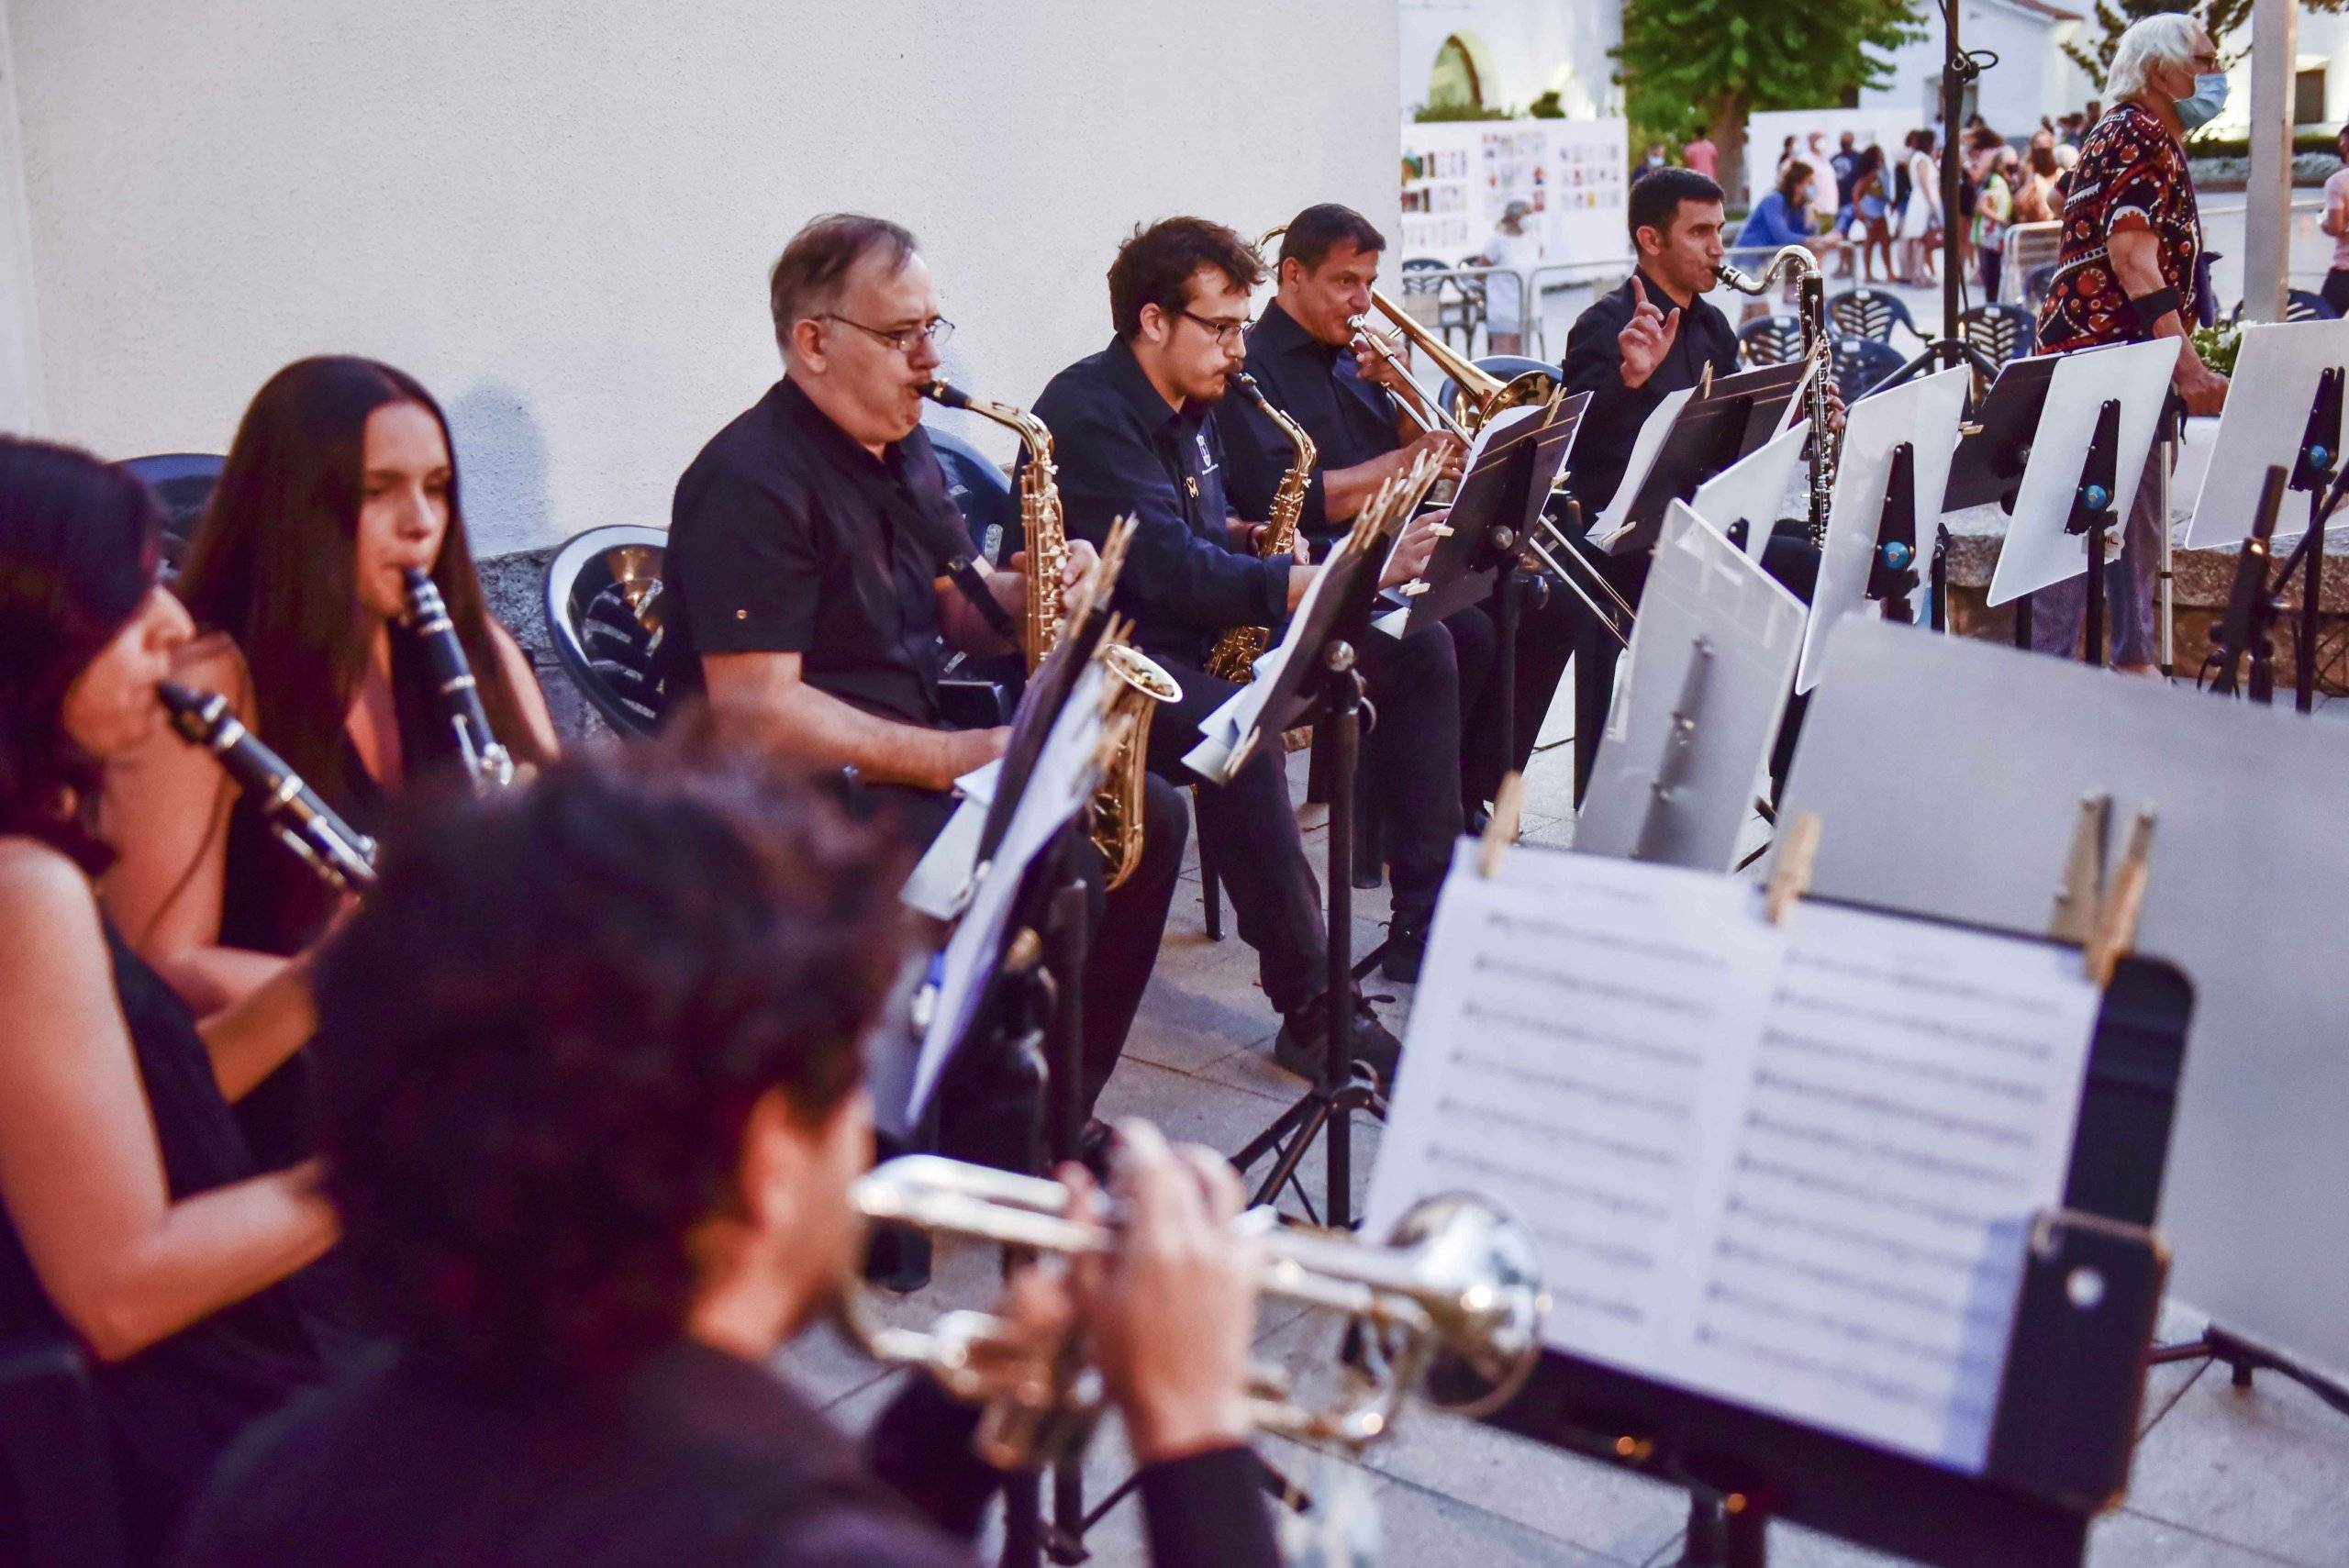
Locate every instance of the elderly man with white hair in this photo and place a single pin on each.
(2132, 236)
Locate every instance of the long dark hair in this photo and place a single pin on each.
(79, 543)
(273, 562)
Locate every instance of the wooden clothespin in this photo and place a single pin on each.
(2116, 926)
(1500, 828)
(1705, 383)
(2077, 901)
(1790, 878)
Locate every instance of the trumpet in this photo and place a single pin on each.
(1454, 1298)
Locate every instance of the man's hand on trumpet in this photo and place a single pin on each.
(1171, 1311)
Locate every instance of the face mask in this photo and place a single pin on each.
(2210, 97)
(1655, 162)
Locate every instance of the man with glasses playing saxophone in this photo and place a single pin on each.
(1304, 355)
(1130, 430)
(811, 585)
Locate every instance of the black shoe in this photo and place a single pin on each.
(1406, 949)
(1302, 1046)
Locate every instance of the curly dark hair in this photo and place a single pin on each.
(542, 1037)
(1155, 266)
(79, 543)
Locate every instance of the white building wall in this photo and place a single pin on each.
(19, 370)
(2032, 78)
(559, 212)
(1522, 49)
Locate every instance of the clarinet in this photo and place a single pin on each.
(344, 858)
(487, 763)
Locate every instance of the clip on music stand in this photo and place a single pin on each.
(1894, 460)
(2065, 1417)
(1724, 420)
(2086, 457)
(1318, 680)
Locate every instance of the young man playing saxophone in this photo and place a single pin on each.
(1131, 432)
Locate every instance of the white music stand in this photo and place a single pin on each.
(1923, 414)
(1698, 705)
(2266, 416)
(2249, 893)
(1753, 490)
(2038, 553)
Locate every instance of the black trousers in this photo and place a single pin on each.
(1247, 830)
(1412, 756)
(1790, 557)
(989, 1108)
(1546, 637)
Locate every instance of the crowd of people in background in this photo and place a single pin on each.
(1879, 208)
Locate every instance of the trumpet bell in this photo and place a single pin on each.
(1483, 1292)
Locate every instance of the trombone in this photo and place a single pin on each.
(1454, 1299)
(1481, 393)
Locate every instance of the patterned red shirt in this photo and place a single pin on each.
(2132, 173)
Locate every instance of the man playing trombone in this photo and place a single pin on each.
(1369, 419)
(593, 1112)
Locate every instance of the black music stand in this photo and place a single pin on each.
(1317, 680)
(2066, 1413)
(1892, 567)
(1988, 465)
(2314, 471)
(2251, 604)
(2093, 514)
(1727, 419)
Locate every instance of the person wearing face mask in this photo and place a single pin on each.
(2126, 273)
(134, 1221)
(341, 477)
(1782, 218)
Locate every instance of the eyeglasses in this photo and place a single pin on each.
(1226, 332)
(938, 330)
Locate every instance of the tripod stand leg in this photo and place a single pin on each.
(1337, 1070)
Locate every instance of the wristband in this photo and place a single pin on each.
(2152, 307)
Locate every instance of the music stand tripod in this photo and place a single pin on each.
(1327, 1108)
(1959, 68)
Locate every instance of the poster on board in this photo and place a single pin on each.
(1458, 177)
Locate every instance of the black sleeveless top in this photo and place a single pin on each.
(170, 1411)
(273, 901)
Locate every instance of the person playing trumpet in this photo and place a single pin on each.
(593, 1112)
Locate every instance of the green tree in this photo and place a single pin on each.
(1690, 65)
(2220, 18)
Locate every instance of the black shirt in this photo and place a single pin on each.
(1351, 421)
(1121, 450)
(1594, 365)
(787, 537)
(695, 1457)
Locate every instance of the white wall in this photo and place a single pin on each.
(1523, 50)
(2033, 76)
(560, 214)
(20, 373)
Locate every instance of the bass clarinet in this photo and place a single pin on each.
(488, 765)
(344, 858)
(1810, 304)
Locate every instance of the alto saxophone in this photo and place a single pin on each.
(1235, 653)
(1116, 827)
(1811, 304)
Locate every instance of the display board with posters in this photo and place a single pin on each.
(1459, 176)
(1818, 134)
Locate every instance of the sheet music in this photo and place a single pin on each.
(1791, 1166)
(1618, 515)
(1066, 772)
(940, 885)
(1221, 731)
